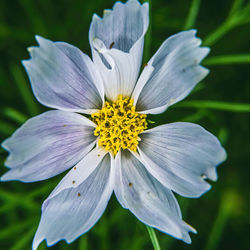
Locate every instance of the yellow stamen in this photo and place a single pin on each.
(118, 125)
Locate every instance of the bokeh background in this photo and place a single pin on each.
(221, 104)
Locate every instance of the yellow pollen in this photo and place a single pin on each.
(118, 125)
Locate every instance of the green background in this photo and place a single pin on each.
(220, 103)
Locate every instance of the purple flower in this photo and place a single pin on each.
(113, 150)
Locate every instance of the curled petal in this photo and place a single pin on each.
(117, 46)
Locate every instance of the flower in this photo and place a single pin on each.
(113, 150)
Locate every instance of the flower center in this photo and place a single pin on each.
(118, 125)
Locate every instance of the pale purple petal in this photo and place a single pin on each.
(47, 145)
(171, 73)
(63, 77)
(181, 156)
(151, 202)
(80, 171)
(74, 210)
(117, 42)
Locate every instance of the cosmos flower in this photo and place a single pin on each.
(112, 148)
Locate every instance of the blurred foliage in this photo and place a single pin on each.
(221, 104)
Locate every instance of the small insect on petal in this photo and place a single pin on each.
(111, 45)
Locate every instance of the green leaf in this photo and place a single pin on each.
(192, 15)
(24, 90)
(227, 59)
(23, 242)
(229, 204)
(83, 243)
(236, 18)
(15, 228)
(17, 199)
(15, 115)
(6, 128)
(224, 106)
(153, 238)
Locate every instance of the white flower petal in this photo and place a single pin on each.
(117, 46)
(80, 172)
(47, 145)
(151, 202)
(83, 61)
(181, 156)
(171, 73)
(122, 26)
(63, 77)
(74, 210)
